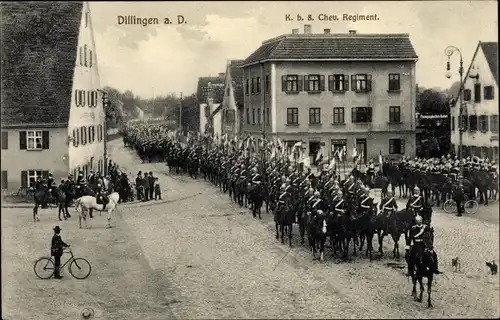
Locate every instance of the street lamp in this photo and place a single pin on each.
(105, 104)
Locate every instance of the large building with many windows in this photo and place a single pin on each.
(52, 112)
(334, 90)
(480, 105)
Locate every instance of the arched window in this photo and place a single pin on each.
(92, 99)
(99, 133)
(84, 98)
(83, 133)
(85, 60)
(76, 137)
(91, 134)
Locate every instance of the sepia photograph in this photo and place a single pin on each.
(249, 160)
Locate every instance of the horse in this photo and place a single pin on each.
(365, 228)
(283, 218)
(481, 181)
(348, 231)
(421, 264)
(62, 203)
(316, 233)
(87, 203)
(256, 198)
(395, 224)
(40, 199)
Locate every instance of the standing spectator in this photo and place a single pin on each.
(151, 180)
(157, 190)
(145, 185)
(458, 197)
(138, 186)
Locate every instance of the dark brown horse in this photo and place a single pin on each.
(284, 218)
(40, 198)
(365, 228)
(317, 232)
(395, 224)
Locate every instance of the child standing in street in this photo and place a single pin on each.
(157, 190)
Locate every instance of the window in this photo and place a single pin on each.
(252, 85)
(291, 83)
(5, 181)
(80, 98)
(314, 83)
(338, 115)
(5, 140)
(394, 82)
(248, 115)
(473, 123)
(268, 116)
(267, 83)
(337, 145)
(85, 55)
(314, 115)
(361, 115)
(92, 98)
(338, 82)
(257, 89)
(361, 82)
(394, 114)
(477, 92)
(99, 133)
(76, 137)
(467, 95)
(86, 19)
(396, 146)
(90, 58)
(246, 87)
(483, 123)
(228, 91)
(80, 54)
(258, 116)
(489, 93)
(292, 116)
(91, 134)
(453, 123)
(253, 115)
(34, 140)
(494, 123)
(465, 123)
(83, 135)
(31, 177)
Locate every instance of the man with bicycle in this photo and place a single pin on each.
(459, 196)
(56, 250)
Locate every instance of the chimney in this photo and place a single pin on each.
(352, 32)
(327, 31)
(295, 31)
(307, 29)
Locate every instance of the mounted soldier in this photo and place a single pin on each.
(366, 201)
(388, 205)
(416, 246)
(415, 203)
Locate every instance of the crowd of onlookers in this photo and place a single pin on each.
(147, 187)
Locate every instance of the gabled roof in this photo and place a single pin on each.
(334, 47)
(38, 62)
(237, 78)
(490, 50)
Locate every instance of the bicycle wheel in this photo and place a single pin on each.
(471, 206)
(80, 268)
(450, 206)
(44, 268)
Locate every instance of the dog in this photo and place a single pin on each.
(493, 267)
(455, 263)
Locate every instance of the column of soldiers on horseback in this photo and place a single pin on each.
(64, 193)
(439, 179)
(255, 171)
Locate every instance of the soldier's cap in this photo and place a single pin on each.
(57, 228)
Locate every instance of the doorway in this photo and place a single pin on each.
(361, 148)
(314, 147)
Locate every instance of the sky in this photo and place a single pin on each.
(163, 59)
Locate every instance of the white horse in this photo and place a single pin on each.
(87, 203)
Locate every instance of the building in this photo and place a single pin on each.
(334, 90)
(233, 101)
(52, 114)
(210, 94)
(480, 102)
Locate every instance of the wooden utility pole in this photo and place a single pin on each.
(180, 114)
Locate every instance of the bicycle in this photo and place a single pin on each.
(470, 206)
(46, 265)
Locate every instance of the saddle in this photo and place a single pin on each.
(102, 199)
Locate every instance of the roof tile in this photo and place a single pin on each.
(490, 50)
(237, 78)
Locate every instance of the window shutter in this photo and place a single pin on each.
(330, 82)
(76, 140)
(83, 135)
(306, 83)
(45, 174)
(402, 146)
(5, 140)
(467, 95)
(353, 82)
(5, 182)
(346, 82)
(299, 83)
(369, 114)
(45, 140)
(353, 115)
(321, 83)
(24, 179)
(486, 122)
(368, 82)
(283, 83)
(22, 140)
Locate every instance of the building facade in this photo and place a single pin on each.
(210, 94)
(480, 103)
(232, 103)
(52, 116)
(334, 90)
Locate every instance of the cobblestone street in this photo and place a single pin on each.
(197, 255)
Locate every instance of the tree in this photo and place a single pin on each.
(433, 102)
(190, 113)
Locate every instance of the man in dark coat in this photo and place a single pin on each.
(145, 185)
(56, 250)
(138, 186)
(151, 181)
(458, 197)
